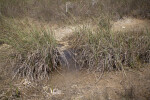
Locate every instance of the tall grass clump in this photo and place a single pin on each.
(105, 50)
(34, 47)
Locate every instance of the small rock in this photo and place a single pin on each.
(55, 92)
(123, 27)
(26, 82)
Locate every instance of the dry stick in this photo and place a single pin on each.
(103, 69)
(17, 72)
(99, 78)
(75, 60)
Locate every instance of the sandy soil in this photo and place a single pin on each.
(130, 24)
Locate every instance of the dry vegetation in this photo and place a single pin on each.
(50, 10)
(105, 50)
(35, 53)
(34, 48)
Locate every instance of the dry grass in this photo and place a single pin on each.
(34, 48)
(104, 50)
(55, 10)
(35, 54)
(101, 49)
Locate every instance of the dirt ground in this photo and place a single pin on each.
(131, 84)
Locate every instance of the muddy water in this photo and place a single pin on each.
(67, 60)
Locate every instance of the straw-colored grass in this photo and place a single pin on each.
(55, 10)
(35, 53)
(105, 50)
